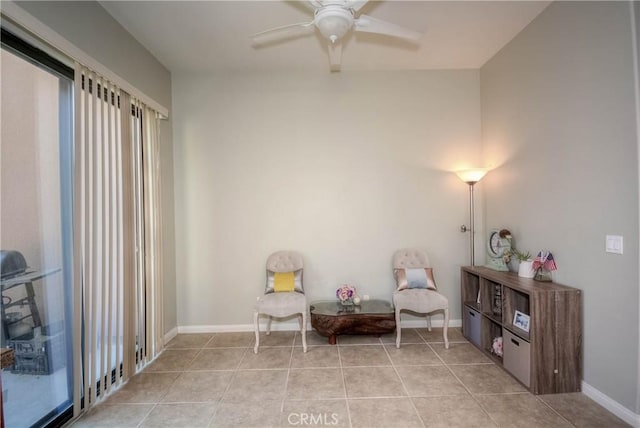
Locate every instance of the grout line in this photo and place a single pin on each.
(356, 344)
(553, 410)
(286, 382)
(204, 370)
(216, 347)
(489, 394)
(481, 363)
(233, 377)
(161, 397)
(147, 415)
(369, 366)
(396, 397)
(213, 336)
(377, 397)
(169, 387)
(315, 368)
(267, 369)
(344, 386)
(465, 386)
(406, 390)
(166, 346)
(177, 402)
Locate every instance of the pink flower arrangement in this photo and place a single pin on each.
(496, 346)
(345, 292)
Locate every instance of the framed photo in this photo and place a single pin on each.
(521, 321)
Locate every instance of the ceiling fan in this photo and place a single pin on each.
(334, 18)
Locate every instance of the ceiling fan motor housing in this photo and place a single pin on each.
(334, 21)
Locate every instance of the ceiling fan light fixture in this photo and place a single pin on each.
(334, 19)
(333, 23)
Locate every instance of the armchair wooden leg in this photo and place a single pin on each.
(303, 331)
(429, 322)
(445, 327)
(256, 327)
(398, 329)
(269, 325)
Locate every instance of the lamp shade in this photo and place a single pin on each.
(472, 176)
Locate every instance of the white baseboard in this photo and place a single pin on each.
(170, 334)
(611, 405)
(291, 326)
(421, 323)
(228, 328)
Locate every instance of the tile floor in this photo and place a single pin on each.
(215, 380)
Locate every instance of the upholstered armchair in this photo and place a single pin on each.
(416, 290)
(284, 295)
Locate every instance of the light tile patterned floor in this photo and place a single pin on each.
(215, 380)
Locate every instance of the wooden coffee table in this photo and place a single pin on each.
(331, 318)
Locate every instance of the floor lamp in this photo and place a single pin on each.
(471, 177)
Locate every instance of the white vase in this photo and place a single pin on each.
(525, 270)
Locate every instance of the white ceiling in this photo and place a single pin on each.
(213, 36)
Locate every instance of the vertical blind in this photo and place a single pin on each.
(117, 238)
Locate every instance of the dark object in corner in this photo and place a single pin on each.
(12, 263)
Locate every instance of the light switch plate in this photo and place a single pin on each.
(614, 244)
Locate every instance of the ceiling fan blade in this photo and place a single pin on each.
(356, 5)
(284, 32)
(368, 24)
(335, 55)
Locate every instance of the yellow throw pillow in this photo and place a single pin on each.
(297, 282)
(283, 281)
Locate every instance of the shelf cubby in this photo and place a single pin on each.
(470, 291)
(488, 332)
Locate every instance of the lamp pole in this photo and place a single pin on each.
(472, 228)
(471, 177)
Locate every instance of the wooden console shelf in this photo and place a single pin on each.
(548, 358)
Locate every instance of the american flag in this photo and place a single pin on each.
(550, 263)
(544, 260)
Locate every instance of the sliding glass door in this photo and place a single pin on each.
(36, 234)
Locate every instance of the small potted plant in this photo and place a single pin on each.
(525, 267)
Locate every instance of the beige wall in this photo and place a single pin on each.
(89, 27)
(558, 119)
(168, 229)
(345, 168)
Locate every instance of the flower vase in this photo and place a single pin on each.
(345, 294)
(543, 275)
